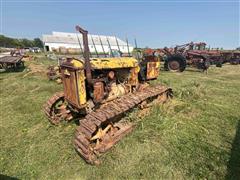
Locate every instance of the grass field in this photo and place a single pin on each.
(194, 136)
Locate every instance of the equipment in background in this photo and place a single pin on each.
(191, 54)
(54, 74)
(231, 56)
(11, 62)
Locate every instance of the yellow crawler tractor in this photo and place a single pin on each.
(99, 91)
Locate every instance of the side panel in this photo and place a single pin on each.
(133, 78)
(153, 69)
(81, 87)
(69, 78)
(113, 63)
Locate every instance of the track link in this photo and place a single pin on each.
(90, 149)
(56, 114)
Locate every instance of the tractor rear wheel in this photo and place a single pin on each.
(175, 63)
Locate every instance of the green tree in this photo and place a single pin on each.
(19, 43)
(27, 43)
(38, 43)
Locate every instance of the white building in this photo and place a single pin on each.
(61, 41)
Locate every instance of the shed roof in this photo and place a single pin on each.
(72, 38)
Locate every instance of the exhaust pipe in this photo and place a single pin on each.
(86, 54)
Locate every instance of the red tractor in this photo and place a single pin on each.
(192, 54)
(231, 56)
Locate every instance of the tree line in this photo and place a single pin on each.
(8, 42)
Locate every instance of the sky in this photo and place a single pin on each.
(154, 23)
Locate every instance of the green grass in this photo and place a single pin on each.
(194, 136)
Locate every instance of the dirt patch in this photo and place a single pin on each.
(36, 69)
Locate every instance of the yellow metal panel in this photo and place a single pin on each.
(81, 87)
(113, 63)
(153, 69)
(108, 63)
(77, 63)
(133, 79)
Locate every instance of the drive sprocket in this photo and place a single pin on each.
(56, 109)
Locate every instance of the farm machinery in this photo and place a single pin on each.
(11, 62)
(53, 73)
(197, 55)
(192, 54)
(99, 91)
(231, 56)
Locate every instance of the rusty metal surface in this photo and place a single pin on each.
(11, 59)
(86, 54)
(231, 56)
(70, 85)
(174, 65)
(14, 62)
(195, 54)
(56, 110)
(54, 73)
(90, 150)
(98, 92)
(153, 70)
